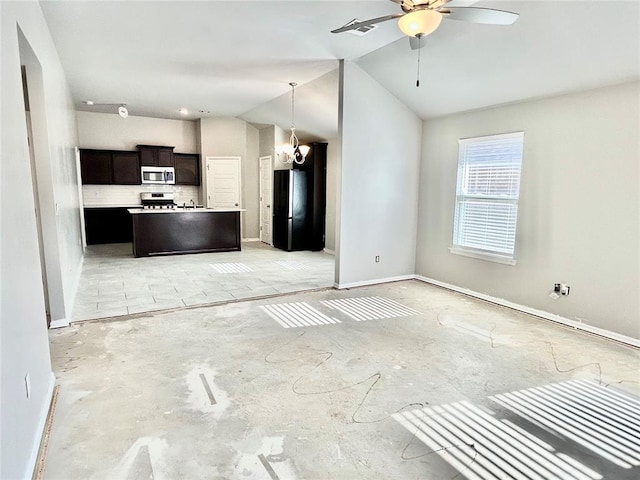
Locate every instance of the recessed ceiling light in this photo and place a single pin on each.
(183, 111)
(88, 102)
(206, 112)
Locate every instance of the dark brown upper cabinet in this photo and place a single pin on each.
(126, 168)
(95, 167)
(187, 169)
(107, 167)
(156, 156)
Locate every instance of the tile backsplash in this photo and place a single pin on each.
(130, 194)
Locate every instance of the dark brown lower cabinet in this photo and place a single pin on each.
(107, 225)
(158, 233)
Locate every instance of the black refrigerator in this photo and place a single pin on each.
(290, 212)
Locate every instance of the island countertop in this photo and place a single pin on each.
(135, 211)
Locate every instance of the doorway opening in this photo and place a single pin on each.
(42, 184)
(36, 199)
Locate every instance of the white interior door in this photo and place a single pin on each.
(223, 182)
(266, 199)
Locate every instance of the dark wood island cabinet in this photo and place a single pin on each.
(190, 230)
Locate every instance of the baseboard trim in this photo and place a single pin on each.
(330, 252)
(42, 424)
(62, 323)
(364, 283)
(251, 239)
(617, 337)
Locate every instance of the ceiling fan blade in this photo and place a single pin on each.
(480, 15)
(408, 3)
(366, 23)
(417, 42)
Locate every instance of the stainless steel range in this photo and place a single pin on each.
(150, 200)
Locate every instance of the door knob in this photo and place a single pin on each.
(236, 204)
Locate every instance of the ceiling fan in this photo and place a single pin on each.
(422, 17)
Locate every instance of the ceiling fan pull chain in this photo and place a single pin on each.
(418, 74)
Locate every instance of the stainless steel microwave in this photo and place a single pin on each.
(162, 175)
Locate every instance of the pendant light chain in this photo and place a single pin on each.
(293, 141)
(293, 99)
(293, 152)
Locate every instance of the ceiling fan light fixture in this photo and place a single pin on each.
(420, 22)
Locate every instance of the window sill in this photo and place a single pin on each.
(490, 257)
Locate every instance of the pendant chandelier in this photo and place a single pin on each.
(293, 151)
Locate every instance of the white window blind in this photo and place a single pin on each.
(487, 194)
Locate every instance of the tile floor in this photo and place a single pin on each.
(394, 381)
(114, 283)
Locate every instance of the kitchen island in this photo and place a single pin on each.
(184, 230)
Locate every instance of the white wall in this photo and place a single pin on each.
(579, 210)
(228, 136)
(24, 342)
(378, 192)
(112, 132)
(266, 140)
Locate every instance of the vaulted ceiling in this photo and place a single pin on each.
(236, 58)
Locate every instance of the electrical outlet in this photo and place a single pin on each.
(561, 289)
(377, 258)
(27, 385)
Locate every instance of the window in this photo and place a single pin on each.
(487, 196)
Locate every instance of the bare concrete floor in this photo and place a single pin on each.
(395, 381)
